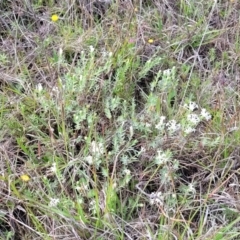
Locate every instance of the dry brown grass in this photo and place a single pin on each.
(200, 39)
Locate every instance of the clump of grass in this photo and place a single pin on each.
(119, 123)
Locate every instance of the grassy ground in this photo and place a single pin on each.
(119, 120)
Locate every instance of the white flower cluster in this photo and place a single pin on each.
(189, 130)
(91, 48)
(96, 151)
(191, 188)
(53, 202)
(39, 87)
(89, 159)
(96, 148)
(163, 157)
(53, 168)
(172, 125)
(127, 176)
(160, 126)
(191, 106)
(126, 171)
(168, 74)
(156, 198)
(107, 54)
(193, 119)
(205, 114)
(93, 206)
(187, 125)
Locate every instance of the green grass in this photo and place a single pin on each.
(107, 135)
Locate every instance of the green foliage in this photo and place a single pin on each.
(107, 135)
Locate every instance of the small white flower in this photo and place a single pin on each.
(126, 171)
(189, 129)
(148, 125)
(53, 168)
(172, 126)
(192, 106)
(39, 87)
(161, 123)
(97, 148)
(205, 114)
(191, 188)
(131, 131)
(104, 54)
(91, 49)
(143, 149)
(93, 206)
(110, 54)
(193, 118)
(53, 202)
(163, 157)
(89, 159)
(175, 164)
(167, 72)
(92, 202)
(60, 52)
(156, 198)
(55, 90)
(114, 185)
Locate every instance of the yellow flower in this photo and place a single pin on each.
(150, 40)
(25, 178)
(54, 17)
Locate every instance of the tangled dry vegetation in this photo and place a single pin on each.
(119, 119)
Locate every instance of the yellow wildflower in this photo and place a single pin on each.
(54, 18)
(150, 40)
(25, 178)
